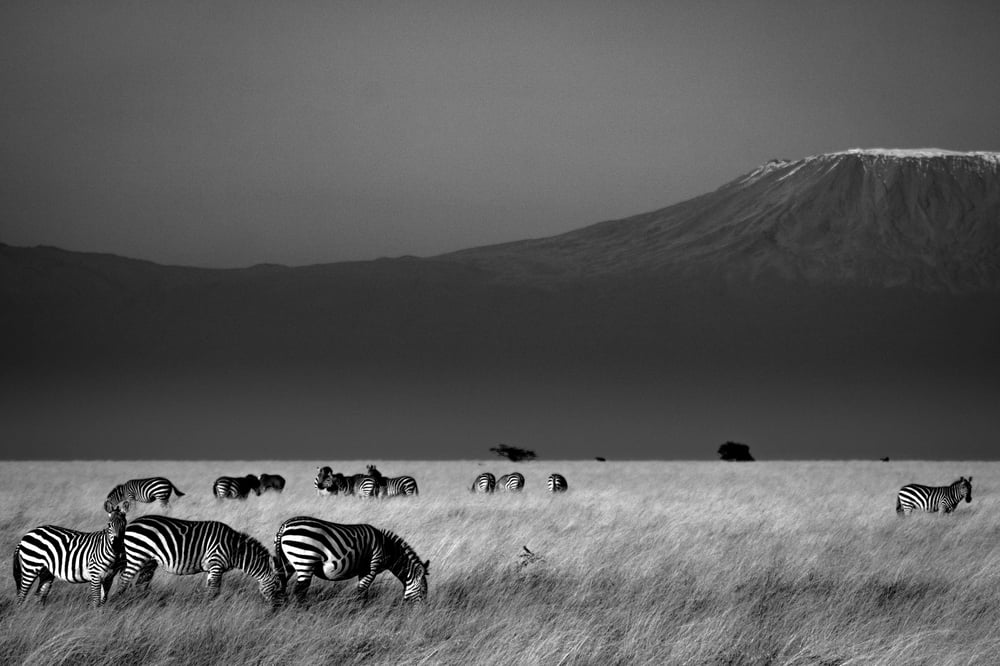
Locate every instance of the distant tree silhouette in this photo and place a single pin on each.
(512, 453)
(886, 459)
(599, 458)
(734, 451)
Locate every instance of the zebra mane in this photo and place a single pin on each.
(405, 549)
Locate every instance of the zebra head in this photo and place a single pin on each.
(256, 561)
(116, 526)
(415, 587)
(253, 483)
(965, 489)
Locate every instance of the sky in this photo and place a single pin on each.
(226, 134)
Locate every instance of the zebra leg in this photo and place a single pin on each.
(374, 569)
(96, 590)
(27, 579)
(302, 582)
(45, 579)
(214, 579)
(142, 573)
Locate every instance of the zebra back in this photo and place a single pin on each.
(400, 485)
(513, 482)
(369, 486)
(236, 487)
(557, 483)
(152, 489)
(484, 483)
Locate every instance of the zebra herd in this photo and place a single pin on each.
(305, 547)
(372, 484)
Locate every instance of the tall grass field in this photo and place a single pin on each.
(638, 563)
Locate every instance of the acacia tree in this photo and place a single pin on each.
(512, 453)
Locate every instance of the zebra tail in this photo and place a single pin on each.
(176, 492)
(17, 568)
(282, 566)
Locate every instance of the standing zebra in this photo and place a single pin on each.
(155, 489)
(398, 485)
(229, 487)
(484, 483)
(184, 547)
(308, 547)
(933, 498)
(49, 552)
(274, 482)
(557, 483)
(513, 482)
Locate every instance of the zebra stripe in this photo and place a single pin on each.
(369, 486)
(49, 552)
(398, 485)
(484, 483)
(185, 547)
(557, 483)
(933, 498)
(513, 482)
(229, 487)
(274, 482)
(307, 547)
(155, 489)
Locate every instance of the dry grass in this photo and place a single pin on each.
(651, 562)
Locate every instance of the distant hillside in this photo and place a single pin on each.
(923, 219)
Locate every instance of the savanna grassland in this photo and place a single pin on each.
(640, 562)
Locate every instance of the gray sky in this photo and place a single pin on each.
(227, 134)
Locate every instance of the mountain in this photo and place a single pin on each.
(841, 305)
(926, 219)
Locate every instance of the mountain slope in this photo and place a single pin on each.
(926, 219)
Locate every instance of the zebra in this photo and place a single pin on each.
(484, 483)
(236, 487)
(49, 552)
(307, 547)
(156, 488)
(398, 485)
(933, 498)
(557, 483)
(184, 547)
(513, 482)
(274, 482)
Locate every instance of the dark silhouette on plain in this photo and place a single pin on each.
(735, 452)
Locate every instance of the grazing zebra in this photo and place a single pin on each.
(557, 483)
(308, 547)
(398, 485)
(274, 482)
(185, 547)
(933, 498)
(155, 489)
(229, 487)
(49, 552)
(484, 483)
(513, 483)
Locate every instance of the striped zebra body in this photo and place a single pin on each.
(933, 498)
(274, 482)
(155, 489)
(307, 547)
(185, 547)
(557, 483)
(512, 483)
(398, 485)
(230, 487)
(484, 483)
(49, 552)
(369, 486)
